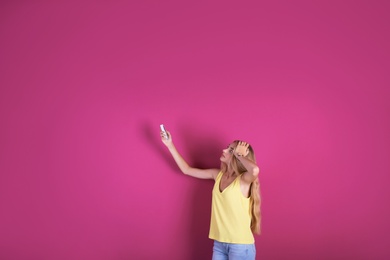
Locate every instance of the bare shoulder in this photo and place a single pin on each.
(247, 178)
(214, 173)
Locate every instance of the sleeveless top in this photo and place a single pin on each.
(230, 214)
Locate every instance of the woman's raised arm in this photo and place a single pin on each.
(166, 138)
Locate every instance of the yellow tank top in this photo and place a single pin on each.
(230, 214)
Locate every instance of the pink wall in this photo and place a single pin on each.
(85, 86)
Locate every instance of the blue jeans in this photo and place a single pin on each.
(228, 251)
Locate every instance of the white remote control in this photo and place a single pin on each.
(162, 128)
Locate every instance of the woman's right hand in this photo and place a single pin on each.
(166, 137)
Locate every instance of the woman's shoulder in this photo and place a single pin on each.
(216, 172)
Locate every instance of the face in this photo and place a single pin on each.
(227, 153)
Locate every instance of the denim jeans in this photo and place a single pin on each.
(228, 251)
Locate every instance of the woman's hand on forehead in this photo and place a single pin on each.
(242, 148)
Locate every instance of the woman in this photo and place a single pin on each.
(235, 212)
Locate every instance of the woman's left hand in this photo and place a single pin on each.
(241, 149)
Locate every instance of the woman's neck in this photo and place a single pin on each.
(230, 172)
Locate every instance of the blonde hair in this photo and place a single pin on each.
(254, 192)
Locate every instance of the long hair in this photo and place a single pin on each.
(254, 192)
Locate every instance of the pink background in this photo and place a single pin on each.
(84, 87)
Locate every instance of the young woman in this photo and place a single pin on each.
(235, 212)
